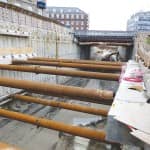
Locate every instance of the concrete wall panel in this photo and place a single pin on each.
(23, 30)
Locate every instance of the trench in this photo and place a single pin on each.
(30, 137)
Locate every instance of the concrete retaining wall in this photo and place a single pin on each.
(23, 31)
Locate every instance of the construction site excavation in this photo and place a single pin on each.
(66, 87)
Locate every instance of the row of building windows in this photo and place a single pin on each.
(54, 10)
(144, 19)
(67, 16)
(71, 17)
(141, 27)
(73, 22)
(79, 28)
(144, 27)
(139, 21)
(144, 23)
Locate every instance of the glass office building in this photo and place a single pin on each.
(139, 22)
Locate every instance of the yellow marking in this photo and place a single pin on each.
(8, 51)
(4, 146)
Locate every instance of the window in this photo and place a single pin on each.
(67, 16)
(67, 23)
(72, 16)
(77, 16)
(77, 10)
(57, 15)
(82, 23)
(52, 15)
(82, 28)
(77, 28)
(69, 10)
(82, 16)
(54, 10)
(62, 16)
(77, 23)
(72, 22)
(61, 10)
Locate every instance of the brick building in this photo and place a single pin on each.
(70, 16)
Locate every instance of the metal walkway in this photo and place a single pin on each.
(105, 36)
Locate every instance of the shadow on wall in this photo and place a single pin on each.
(125, 53)
(85, 52)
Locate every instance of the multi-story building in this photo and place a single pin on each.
(139, 22)
(36, 6)
(70, 16)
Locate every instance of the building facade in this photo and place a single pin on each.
(139, 22)
(31, 5)
(70, 16)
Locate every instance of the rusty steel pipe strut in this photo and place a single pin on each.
(78, 61)
(64, 105)
(70, 65)
(83, 94)
(55, 125)
(65, 72)
(4, 146)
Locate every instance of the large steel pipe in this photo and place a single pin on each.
(65, 72)
(71, 65)
(78, 61)
(63, 105)
(58, 126)
(83, 94)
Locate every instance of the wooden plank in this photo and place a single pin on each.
(133, 114)
(128, 94)
(141, 135)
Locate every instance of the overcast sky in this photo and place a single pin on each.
(106, 14)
